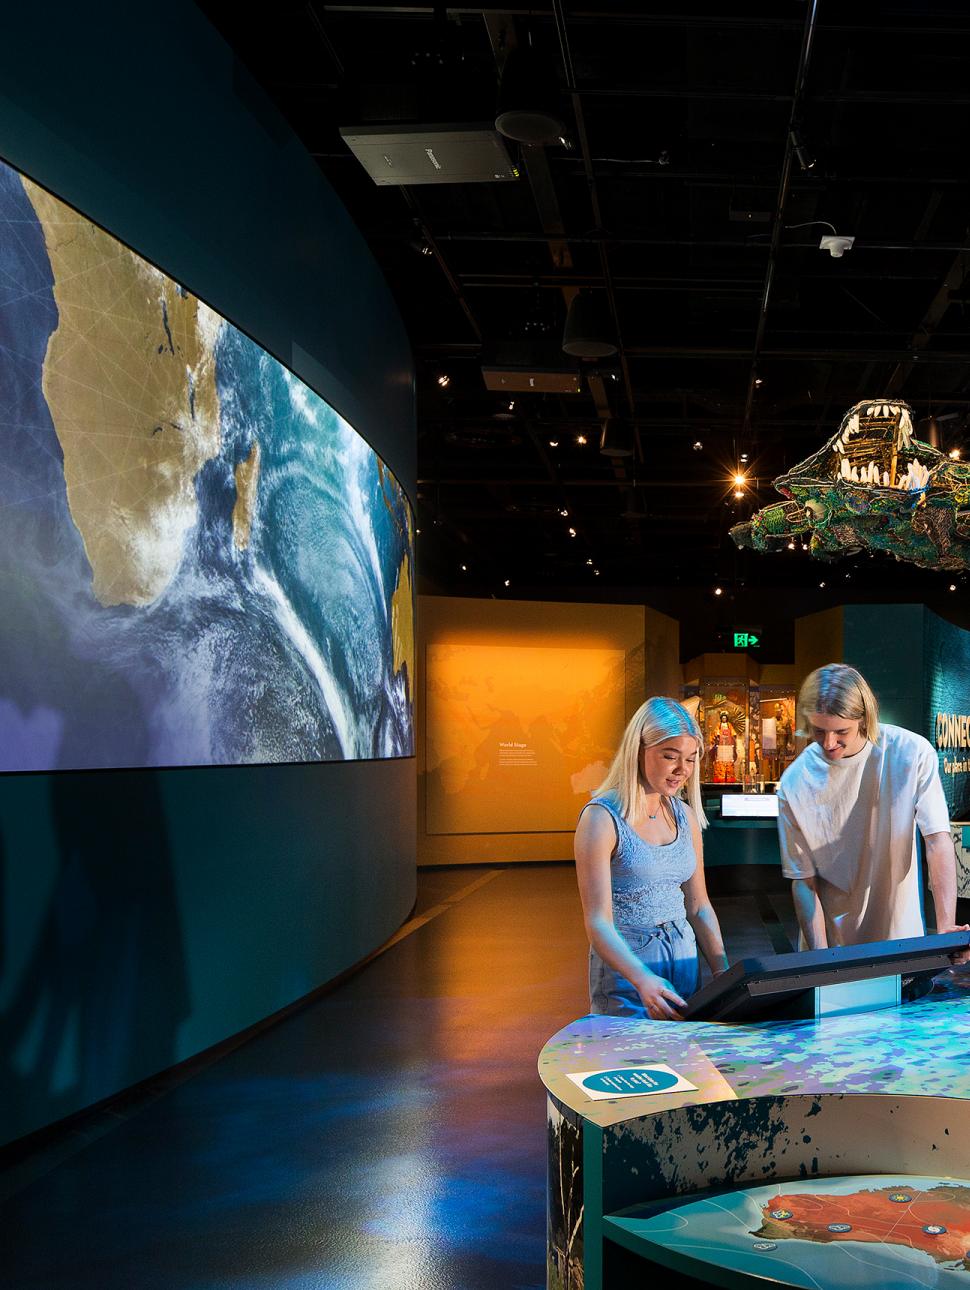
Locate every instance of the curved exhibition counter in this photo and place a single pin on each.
(827, 1151)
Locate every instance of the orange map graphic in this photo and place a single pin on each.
(875, 1216)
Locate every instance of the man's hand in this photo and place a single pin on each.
(958, 957)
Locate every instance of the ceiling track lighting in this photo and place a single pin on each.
(805, 159)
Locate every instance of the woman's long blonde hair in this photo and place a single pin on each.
(653, 722)
(838, 690)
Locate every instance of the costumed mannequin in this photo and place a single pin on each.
(724, 751)
(777, 740)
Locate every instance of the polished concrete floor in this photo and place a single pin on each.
(390, 1134)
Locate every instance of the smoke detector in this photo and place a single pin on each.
(836, 245)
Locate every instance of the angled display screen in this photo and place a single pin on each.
(201, 562)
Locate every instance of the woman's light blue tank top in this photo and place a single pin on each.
(646, 879)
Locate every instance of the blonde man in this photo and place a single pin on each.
(848, 811)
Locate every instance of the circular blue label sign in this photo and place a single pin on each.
(631, 1080)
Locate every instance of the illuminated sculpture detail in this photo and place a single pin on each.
(872, 487)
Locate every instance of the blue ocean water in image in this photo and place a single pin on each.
(278, 652)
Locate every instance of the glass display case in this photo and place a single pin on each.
(749, 730)
(776, 730)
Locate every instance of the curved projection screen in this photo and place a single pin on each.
(200, 561)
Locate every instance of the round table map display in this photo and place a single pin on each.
(830, 1152)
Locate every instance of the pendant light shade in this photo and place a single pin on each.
(616, 438)
(589, 329)
(929, 431)
(529, 109)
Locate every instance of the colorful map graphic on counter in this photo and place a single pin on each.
(202, 562)
(891, 1231)
(518, 737)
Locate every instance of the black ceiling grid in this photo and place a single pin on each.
(708, 149)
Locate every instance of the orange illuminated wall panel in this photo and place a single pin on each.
(518, 736)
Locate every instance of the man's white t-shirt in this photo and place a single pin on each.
(850, 823)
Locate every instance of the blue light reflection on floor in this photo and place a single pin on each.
(391, 1135)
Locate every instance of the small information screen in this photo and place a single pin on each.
(749, 806)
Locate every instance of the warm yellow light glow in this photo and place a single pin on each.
(718, 591)
(954, 454)
(739, 492)
(581, 439)
(740, 479)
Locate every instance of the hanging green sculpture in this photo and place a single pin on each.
(872, 487)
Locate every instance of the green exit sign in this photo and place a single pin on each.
(746, 640)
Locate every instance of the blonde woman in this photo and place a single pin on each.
(639, 863)
(848, 810)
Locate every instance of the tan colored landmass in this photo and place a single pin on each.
(873, 1217)
(247, 480)
(129, 378)
(402, 622)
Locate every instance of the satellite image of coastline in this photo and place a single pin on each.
(896, 1232)
(202, 562)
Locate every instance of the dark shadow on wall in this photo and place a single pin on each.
(104, 988)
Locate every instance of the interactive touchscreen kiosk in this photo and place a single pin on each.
(828, 1150)
(812, 983)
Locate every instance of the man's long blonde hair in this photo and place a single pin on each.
(653, 722)
(838, 690)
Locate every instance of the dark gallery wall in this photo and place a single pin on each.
(148, 915)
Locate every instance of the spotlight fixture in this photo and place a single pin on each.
(758, 382)
(718, 591)
(418, 531)
(589, 329)
(739, 492)
(581, 440)
(511, 405)
(744, 456)
(821, 584)
(553, 443)
(596, 572)
(572, 532)
(444, 380)
(564, 513)
(953, 586)
(464, 568)
(791, 546)
(805, 159)
(740, 478)
(589, 562)
(508, 582)
(804, 546)
(954, 454)
(697, 446)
